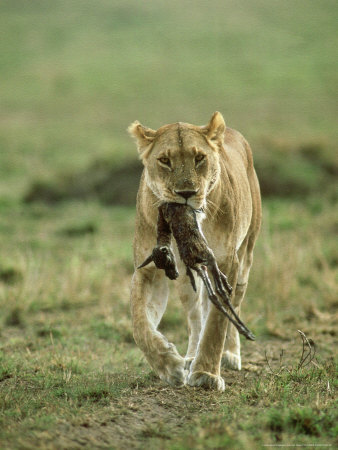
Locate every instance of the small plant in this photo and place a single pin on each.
(306, 358)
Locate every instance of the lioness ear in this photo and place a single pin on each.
(216, 127)
(144, 136)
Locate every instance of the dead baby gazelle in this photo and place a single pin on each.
(162, 255)
(180, 220)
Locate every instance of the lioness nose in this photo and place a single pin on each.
(186, 194)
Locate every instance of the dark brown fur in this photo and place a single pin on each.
(181, 220)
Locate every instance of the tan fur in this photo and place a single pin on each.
(228, 191)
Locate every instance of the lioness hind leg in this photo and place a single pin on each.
(149, 293)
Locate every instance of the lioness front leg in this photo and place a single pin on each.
(192, 302)
(232, 349)
(205, 370)
(149, 293)
(231, 358)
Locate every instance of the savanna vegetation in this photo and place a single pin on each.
(73, 76)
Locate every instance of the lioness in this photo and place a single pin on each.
(211, 169)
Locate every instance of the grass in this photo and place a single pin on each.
(271, 410)
(73, 76)
(67, 352)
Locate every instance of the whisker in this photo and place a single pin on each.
(211, 207)
(217, 209)
(208, 209)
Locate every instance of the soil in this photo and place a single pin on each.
(151, 416)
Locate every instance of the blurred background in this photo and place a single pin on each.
(74, 74)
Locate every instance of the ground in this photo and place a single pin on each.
(72, 376)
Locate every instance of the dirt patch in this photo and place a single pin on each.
(153, 417)
(145, 416)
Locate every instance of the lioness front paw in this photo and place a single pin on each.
(175, 376)
(206, 380)
(231, 361)
(173, 371)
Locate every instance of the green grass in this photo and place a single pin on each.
(67, 352)
(73, 76)
(273, 409)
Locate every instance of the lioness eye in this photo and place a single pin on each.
(199, 157)
(165, 161)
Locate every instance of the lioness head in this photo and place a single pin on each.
(181, 160)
